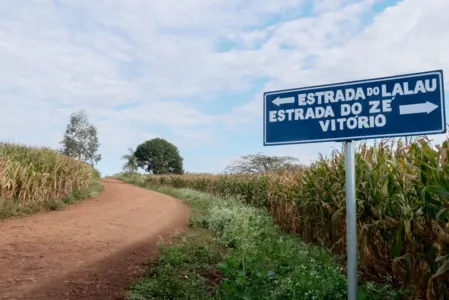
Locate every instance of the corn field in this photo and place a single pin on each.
(30, 176)
(403, 208)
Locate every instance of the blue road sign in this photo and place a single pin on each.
(404, 105)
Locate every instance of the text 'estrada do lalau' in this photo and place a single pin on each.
(349, 113)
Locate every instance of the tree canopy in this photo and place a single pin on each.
(80, 139)
(159, 156)
(257, 163)
(130, 164)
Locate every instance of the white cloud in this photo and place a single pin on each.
(403, 38)
(164, 54)
(320, 6)
(337, 45)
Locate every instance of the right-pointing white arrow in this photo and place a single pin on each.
(426, 107)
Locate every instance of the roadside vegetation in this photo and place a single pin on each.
(403, 216)
(34, 179)
(235, 251)
(37, 179)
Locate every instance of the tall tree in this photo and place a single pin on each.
(80, 139)
(159, 156)
(130, 164)
(257, 163)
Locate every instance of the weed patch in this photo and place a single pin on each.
(182, 271)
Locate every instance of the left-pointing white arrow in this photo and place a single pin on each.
(426, 107)
(278, 101)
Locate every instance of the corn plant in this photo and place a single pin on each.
(30, 176)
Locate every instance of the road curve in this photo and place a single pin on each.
(91, 250)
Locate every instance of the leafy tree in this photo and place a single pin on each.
(159, 157)
(257, 163)
(130, 164)
(80, 139)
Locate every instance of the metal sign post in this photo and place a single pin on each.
(402, 105)
(351, 220)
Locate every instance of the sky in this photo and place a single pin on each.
(194, 71)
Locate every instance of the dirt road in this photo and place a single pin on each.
(90, 250)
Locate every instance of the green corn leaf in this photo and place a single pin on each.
(442, 270)
(442, 212)
(398, 245)
(403, 257)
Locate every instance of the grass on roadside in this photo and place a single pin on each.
(184, 271)
(10, 209)
(234, 251)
